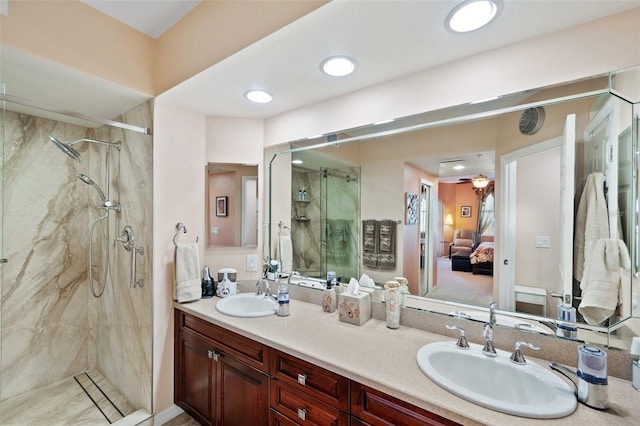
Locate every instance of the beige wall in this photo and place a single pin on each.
(80, 37)
(70, 32)
(178, 195)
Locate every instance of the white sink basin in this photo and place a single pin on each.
(497, 383)
(247, 305)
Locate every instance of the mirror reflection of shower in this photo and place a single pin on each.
(107, 205)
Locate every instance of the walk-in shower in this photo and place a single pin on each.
(67, 357)
(107, 205)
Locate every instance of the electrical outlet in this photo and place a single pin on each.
(252, 263)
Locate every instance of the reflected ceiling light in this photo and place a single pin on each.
(377, 123)
(480, 181)
(452, 164)
(338, 66)
(471, 15)
(258, 96)
(297, 161)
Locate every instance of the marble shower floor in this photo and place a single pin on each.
(66, 403)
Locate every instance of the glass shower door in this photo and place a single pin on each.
(340, 217)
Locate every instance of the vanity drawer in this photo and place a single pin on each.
(377, 408)
(249, 351)
(302, 408)
(328, 387)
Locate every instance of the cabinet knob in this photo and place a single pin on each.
(302, 414)
(302, 379)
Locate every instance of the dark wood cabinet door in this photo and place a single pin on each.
(195, 372)
(303, 408)
(244, 394)
(379, 409)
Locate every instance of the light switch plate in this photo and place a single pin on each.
(252, 263)
(543, 241)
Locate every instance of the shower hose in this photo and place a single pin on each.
(103, 285)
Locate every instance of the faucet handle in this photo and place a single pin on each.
(517, 357)
(489, 350)
(462, 341)
(259, 287)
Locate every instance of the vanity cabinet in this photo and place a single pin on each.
(371, 407)
(220, 377)
(307, 394)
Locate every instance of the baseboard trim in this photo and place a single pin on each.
(166, 415)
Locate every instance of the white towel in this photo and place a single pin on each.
(600, 283)
(285, 252)
(592, 222)
(187, 285)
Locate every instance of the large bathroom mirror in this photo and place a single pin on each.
(232, 205)
(547, 156)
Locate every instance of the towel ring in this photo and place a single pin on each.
(180, 229)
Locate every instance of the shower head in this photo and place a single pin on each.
(86, 179)
(66, 148)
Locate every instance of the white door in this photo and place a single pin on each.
(509, 228)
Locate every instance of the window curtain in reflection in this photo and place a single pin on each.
(485, 208)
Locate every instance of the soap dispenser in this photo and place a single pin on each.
(208, 286)
(329, 297)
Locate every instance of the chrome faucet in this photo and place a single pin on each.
(267, 289)
(487, 333)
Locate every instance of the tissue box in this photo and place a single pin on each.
(354, 309)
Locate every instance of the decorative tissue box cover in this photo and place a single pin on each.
(354, 309)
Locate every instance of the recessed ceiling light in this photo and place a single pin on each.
(259, 96)
(297, 161)
(338, 66)
(471, 15)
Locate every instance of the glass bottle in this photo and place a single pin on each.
(392, 303)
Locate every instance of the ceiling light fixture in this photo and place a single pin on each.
(471, 15)
(258, 96)
(338, 66)
(297, 161)
(480, 181)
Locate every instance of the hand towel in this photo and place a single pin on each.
(285, 251)
(592, 222)
(369, 243)
(187, 285)
(600, 284)
(387, 244)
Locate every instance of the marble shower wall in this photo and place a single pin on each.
(325, 228)
(52, 327)
(121, 321)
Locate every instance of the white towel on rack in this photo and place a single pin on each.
(285, 251)
(601, 281)
(187, 286)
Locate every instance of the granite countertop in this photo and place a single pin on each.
(385, 359)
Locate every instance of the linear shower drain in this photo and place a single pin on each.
(100, 399)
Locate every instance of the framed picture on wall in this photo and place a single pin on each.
(465, 211)
(221, 206)
(412, 208)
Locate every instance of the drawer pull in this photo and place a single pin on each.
(302, 379)
(213, 355)
(302, 414)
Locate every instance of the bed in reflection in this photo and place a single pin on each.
(482, 258)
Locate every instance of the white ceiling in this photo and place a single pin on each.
(152, 17)
(389, 39)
